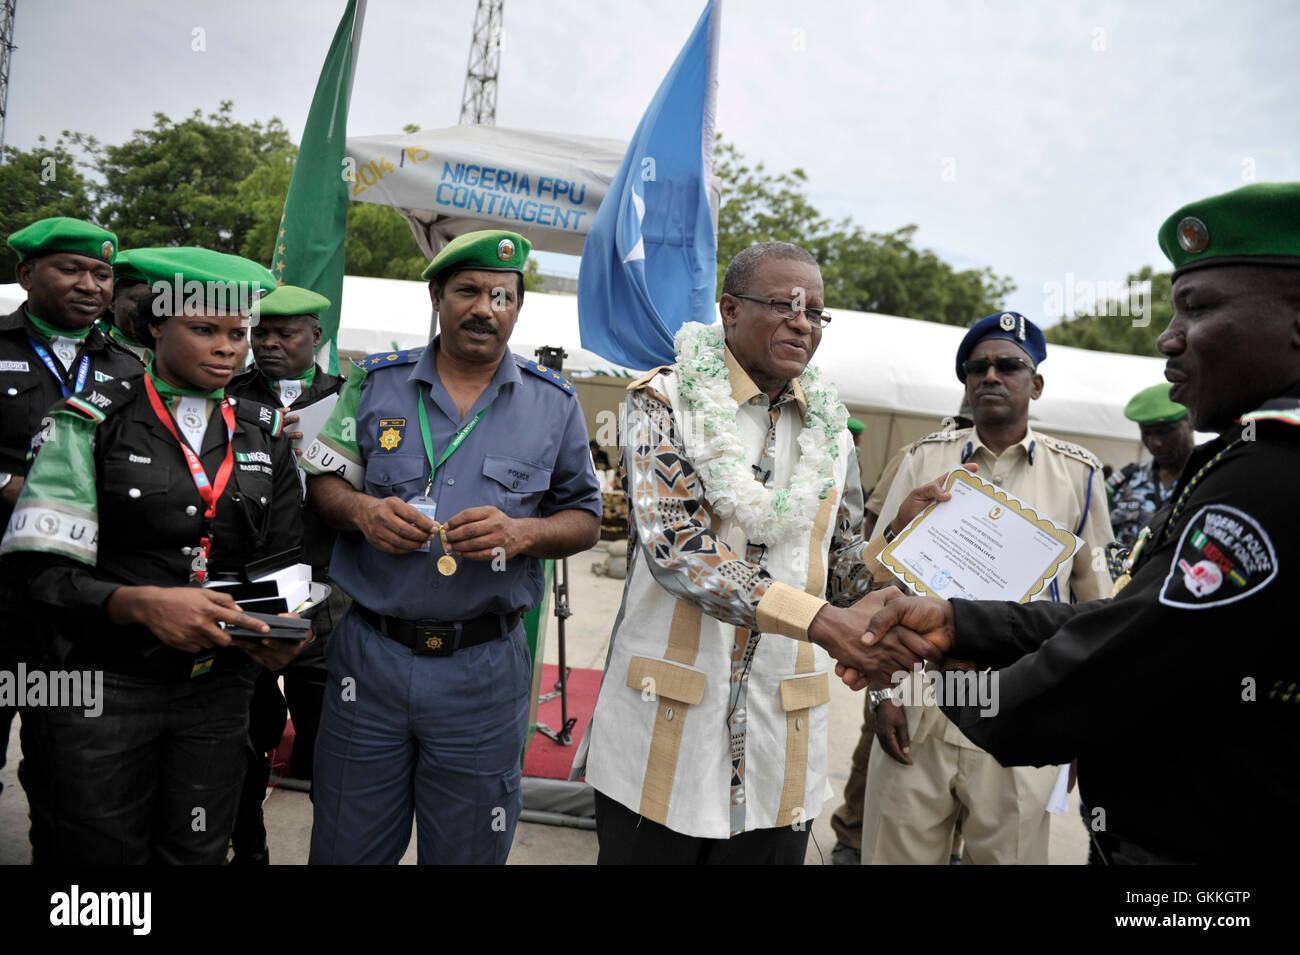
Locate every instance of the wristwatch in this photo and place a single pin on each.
(889, 532)
(876, 697)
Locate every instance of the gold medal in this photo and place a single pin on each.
(446, 563)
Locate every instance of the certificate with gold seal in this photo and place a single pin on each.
(983, 543)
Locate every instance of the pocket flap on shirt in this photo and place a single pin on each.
(392, 470)
(804, 692)
(135, 480)
(517, 475)
(669, 680)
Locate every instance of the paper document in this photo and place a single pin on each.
(983, 543)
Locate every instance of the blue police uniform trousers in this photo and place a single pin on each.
(438, 735)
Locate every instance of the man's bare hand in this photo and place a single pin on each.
(9, 493)
(275, 654)
(291, 417)
(922, 625)
(392, 525)
(891, 731)
(839, 631)
(182, 617)
(484, 532)
(922, 497)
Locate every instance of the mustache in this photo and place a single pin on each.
(478, 325)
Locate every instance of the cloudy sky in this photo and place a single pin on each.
(1041, 139)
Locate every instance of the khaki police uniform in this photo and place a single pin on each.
(911, 811)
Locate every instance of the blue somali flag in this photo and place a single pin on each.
(651, 257)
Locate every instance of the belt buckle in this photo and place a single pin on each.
(434, 639)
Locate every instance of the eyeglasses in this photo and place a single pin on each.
(979, 367)
(788, 310)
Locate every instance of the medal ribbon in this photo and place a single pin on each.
(82, 370)
(209, 492)
(455, 443)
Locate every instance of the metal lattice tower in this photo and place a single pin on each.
(6, 48)
(478, 105)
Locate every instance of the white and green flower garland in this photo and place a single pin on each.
(769, 516)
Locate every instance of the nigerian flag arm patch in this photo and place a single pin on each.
(1224, 556)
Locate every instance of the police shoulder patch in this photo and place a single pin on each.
(1223, 556)
(270, 420)
(1071, 450)
(98, 402)
(549, 375)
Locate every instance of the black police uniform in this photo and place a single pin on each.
(305, 677)
(28, 389)
(156, 776)
(1179, 695)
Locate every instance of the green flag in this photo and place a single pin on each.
(309, 248)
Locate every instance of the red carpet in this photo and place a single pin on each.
(546, 758)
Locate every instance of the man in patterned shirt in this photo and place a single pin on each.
(1142, 489)
(708, 742)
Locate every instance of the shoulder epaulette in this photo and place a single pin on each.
(385, 359)
(940, 436)
(649, 377)
(1072, 450)
(103, 398)
(549, 375)
(270, 420)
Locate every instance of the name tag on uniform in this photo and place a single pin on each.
(14, 366)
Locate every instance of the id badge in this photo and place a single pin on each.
(429, 508)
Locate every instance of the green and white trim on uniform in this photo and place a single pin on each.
(336, 449)
(57, 511)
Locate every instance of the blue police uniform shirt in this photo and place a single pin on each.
(528, 456)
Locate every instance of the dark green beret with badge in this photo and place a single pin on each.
(62, 234)
(1257, 224)
(292, 300)
(193, 276)
(493, 250)
(1152, 406)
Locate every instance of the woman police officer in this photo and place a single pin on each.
(142, 488)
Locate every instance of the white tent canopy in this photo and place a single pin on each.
(880, 363)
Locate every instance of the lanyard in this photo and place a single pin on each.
(456, 441)
(82, 370)
(207, 491)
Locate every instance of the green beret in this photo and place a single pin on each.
(856, 426)
(1257, 224)
(292, 300)
(191, 275)
(493, 250)
(61, 234)
(1152, 405)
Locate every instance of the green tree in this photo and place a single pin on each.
(872, 272)
(1111, 325)
(38, 183)
(178, 183)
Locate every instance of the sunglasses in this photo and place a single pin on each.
(1005, 366)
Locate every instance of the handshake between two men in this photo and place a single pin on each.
(882, 634)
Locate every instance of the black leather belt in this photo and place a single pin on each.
(438, 638)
